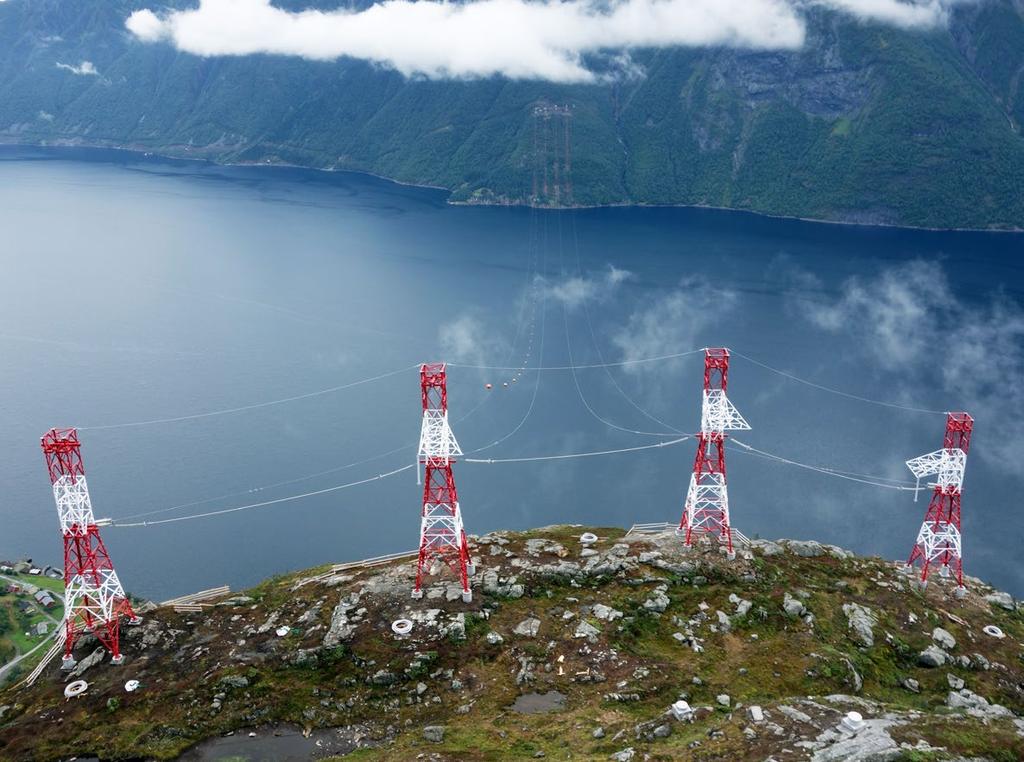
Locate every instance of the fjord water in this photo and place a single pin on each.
(134, 288)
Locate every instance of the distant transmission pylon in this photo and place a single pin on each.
(93, 597)
(442, 536)
(707, 500)
(938, 541)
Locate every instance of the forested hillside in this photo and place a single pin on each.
(865, 123)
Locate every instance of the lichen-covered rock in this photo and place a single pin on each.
(89, 662)
(659, 600)
(872, 743)
(1003, 600)
(861, 621)
(793, 607)
(805, 548)
(233, 681)
(433, 733)
(975, 705)
(943, 638)
(340, 628)
(607, 613)
(528, 628)
(932, 656)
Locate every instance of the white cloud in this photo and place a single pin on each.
(907, 15)
(673, 323)
(467, 340)
(575, 290)
(84, 69)
(524, 39)
(908, 320)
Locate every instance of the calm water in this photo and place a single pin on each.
(135, 289)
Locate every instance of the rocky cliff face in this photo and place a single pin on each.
(569, 650)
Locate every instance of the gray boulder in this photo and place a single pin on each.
(932, 656)
(434, 733)
(872, 743)
(88, 662)
(659, 601)
(975, 705)
(234, 681)
(806, 548)
(793, 607)
(943, 638)
(1003, 600)
(861, 621)
(528, 628)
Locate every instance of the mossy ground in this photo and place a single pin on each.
(765, 658)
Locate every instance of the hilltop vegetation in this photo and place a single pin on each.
(621, 630)
(866, 123)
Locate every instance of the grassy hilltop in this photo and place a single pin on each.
(620, 630)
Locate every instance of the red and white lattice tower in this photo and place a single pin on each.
(938, 542)
(442, 536)
(93, 597)
(707, 500)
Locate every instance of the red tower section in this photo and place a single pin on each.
(442, 536)
(93, 597)
(939, 540)
(707, 499)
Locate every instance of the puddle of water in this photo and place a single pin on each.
(539, 703)
(286, 744)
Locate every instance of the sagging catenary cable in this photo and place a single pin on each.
(830, 390)
(265, 503)
(567, 456)
(254, 406)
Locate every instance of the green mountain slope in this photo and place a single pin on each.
(866, 123)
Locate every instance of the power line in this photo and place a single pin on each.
(597, 345)
(540, 359)
(575, 377)
(669, 443)
(875, 481)
(288, 499)
(841, 393)
(589, 366)
(255, 406)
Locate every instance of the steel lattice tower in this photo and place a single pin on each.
(93, 597)
(707, 499)
(442, 536)
(938, 541)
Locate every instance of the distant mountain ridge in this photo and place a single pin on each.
(866, 123)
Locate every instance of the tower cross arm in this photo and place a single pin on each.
(718, 414)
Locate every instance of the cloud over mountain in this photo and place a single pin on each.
(521, 39)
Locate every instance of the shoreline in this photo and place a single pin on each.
(7, 143)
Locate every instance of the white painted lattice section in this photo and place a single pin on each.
(441, 527)
(74, 508)
(437, 440)
(718, 414)
(937, 541)
(947, 464)
(83, 593)
(707, 504)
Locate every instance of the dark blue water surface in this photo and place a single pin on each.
(136, 288)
